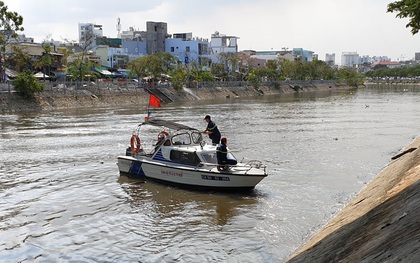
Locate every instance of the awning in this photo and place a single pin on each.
(104, 72)
(41, 75)
(11, 73)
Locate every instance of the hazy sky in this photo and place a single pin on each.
(322, 26)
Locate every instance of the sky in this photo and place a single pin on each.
(321, 26)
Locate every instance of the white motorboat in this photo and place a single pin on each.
(183, 158)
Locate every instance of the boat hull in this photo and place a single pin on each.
(194, 176)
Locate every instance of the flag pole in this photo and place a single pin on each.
(148, 112)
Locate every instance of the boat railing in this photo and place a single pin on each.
(229, 167)
(255, 163)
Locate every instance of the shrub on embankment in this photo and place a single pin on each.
(27, 85)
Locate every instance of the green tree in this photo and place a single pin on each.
(287, 68)
(45, 61)
(26, 84)
(179, 77)
(10, 23)
(80, 67)
(230, 61)
(350, 76)
(407, 9)
(253, 78)
(19, 59)
(153, 65)
(218, 70)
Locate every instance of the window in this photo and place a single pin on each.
(210, 158)
(172, 49)
(185, 157)
(196, 137)
(187, 49)
(181, 139)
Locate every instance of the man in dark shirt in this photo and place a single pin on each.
(212, 130)
(222, 154)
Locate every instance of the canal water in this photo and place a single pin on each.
(63, 200)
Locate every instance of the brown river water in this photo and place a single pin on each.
(62, 198)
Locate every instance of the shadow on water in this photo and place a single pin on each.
(168, 198)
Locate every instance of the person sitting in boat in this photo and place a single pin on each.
(212, 130)
(161, 139)
(222, 155)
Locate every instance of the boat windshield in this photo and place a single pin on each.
(187, 138)
(196, 137)
(181, 139)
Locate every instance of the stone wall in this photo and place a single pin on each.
(132, 95)
(381, 224)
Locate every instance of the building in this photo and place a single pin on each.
(88, 32)
(188, 49)
(156, 33)
(303, 55)
(221, 43)
(111, 57)
(256, 59)
(132, 34)
(417, 56)
(350, 59)
(388, 64)
(37, 51)
(330, 58)
(134, 43)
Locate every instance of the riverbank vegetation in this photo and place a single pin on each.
(400, 72)
(165, 66)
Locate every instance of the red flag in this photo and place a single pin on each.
(154, 101)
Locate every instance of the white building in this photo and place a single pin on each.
(350, 59)
(88, 32)
(221, 43)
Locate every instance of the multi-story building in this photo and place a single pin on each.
(221, 43)
(188, 48)
(134, 43)
(156, 33)
(112, 57)
(417, 56)
(350, 59)
(88, 32)
(35, 51)
(303, 55)
(330, 58)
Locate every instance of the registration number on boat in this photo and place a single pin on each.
(215, 178)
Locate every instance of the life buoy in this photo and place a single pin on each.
(164, 133)
(135, 143)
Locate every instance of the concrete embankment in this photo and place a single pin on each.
(132, 95)
(381, 224)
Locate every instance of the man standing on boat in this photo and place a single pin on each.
(212, 130)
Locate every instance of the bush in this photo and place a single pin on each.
(26, 84)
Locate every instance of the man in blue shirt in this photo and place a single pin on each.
(212, 130)
(222, 155)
